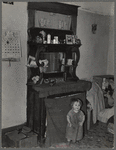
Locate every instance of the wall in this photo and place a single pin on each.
(14, 77)
(96, 50)
(110, 61)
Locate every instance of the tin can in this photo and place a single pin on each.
(56, 39)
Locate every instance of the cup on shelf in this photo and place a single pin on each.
(69, 62)
(56, 39)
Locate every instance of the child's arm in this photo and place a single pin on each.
(83, 119)
(68, 119)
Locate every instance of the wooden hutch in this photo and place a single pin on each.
(57, 83)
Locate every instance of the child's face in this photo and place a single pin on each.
(76, 106)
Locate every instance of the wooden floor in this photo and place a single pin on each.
(97, 137)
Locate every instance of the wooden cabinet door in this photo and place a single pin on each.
(36, 113)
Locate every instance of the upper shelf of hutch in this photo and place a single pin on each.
(54, 45)
(54, 7)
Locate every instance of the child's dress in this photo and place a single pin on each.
(75, 132)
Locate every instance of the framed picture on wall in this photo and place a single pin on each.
(69, 39)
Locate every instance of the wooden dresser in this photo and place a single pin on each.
(39, 95)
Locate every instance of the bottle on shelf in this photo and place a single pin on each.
(48, 39)
(103, 83)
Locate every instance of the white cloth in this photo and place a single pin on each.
(111, 128)
(105, 114)
(96, 98)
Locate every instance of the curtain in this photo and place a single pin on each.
(57, 109)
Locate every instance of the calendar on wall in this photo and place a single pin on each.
(11, 46)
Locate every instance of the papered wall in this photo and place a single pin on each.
(97, 50)
(110, 60)
(14, 76)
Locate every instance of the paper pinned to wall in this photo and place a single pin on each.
(11, 45)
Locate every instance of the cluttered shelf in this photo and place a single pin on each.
(63, 44)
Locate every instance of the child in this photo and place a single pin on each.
(75, 119)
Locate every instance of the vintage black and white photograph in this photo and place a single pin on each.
(57, 75)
